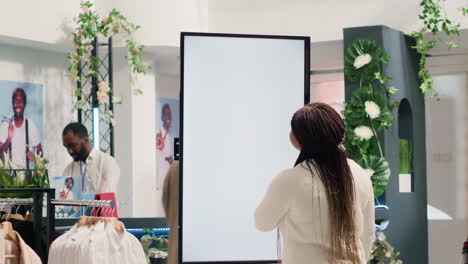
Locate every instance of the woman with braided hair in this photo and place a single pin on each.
(324, 205)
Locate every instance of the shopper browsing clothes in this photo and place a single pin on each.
(19, 136)
(324, 206)
(99, 172)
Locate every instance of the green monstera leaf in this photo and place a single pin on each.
(362, 60)
(380, 173)
(355, 112)
(357, 149)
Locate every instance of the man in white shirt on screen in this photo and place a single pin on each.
(18, 133)
(67, 192)
(99, 172)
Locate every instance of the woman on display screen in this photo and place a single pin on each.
(324, 206)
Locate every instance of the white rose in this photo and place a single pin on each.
(362, 60)
(372, 109)
(363, 132)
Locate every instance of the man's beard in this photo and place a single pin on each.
(81, 156)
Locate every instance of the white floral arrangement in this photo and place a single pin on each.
(362, 60)
(363, 132)
(383, 252)
(372, 109)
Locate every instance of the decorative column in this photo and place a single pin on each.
(406, 211)
(92, 113)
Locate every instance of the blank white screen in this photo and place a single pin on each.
(238, 98)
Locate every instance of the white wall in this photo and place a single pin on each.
(146, 201)
(44, 20)
(51, 21)
(321, 20)
(161, 20)
(446, 173)
(123, 135)
(135, 142)
(167, 86)
(49, 69)
(328, 88)
(135, 136)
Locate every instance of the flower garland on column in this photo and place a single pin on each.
(366, 113)
(89, 25)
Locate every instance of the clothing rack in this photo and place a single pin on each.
(16, 201)
(7, 204)
(37, 203)
(87, 203)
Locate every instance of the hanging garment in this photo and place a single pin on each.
(97, 240)
(10, 250)
(16, 252)
(26, 230)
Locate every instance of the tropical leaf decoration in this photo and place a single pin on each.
(357, 150)
(355, 111)
(367, 112)
(368, 109)
(381, 173)
(359, 52)
(352, 148)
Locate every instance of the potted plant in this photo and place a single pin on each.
(155, 247)
(37, 177)
(405, 154)
(383, 251)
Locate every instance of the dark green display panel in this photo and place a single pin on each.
(407, 214)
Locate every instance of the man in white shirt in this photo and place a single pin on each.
(19, 136)
(99, 172)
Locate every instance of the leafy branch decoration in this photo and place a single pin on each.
(435, 20)
(89, 26)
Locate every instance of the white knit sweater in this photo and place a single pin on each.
(296, 203)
